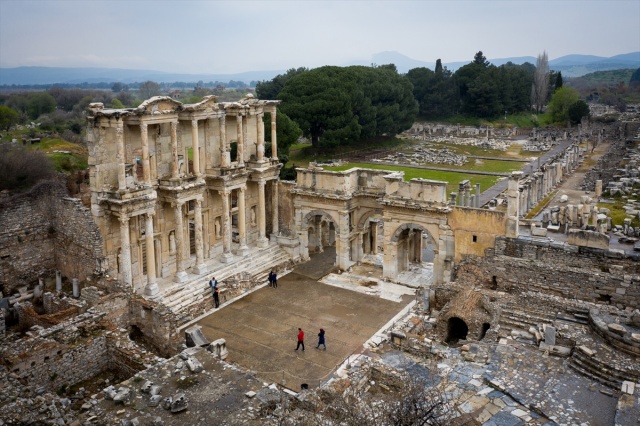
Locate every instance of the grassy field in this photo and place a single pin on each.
(66, 156)
(452, 178)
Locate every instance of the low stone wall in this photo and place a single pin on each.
(157, 323)
(589, 274)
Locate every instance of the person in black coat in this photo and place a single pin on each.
(321, 339)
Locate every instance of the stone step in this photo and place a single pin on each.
(597, 368)
(259, 265)
(587, 373)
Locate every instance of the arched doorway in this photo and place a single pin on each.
(320, 231)
(414, 246)
(457, 329)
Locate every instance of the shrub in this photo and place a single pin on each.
(20, 169)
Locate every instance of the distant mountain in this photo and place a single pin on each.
(570, 65)
(53, 75)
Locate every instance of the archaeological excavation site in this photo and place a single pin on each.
(515, 302)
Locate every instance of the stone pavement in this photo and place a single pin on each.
(261, 328)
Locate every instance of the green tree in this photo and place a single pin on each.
(577, 110)
(271, 89)
(634, 82)
(287, 133)
(8, 117)
(560, 103)
(559, 81)
(320, 101)
(40, 103)
(480, 59)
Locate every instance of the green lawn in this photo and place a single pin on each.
(452, 178)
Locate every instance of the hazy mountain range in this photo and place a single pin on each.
(569, 65)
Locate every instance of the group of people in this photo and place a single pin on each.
(273, 279)
(273, 282)
(301, 339)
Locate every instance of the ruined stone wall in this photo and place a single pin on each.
(26, 236)
(606, 167)
(286, 218)
(42, 231)
(589, 274)
(475, 230)
(78, 243)
(157, 323)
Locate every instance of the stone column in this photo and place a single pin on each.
(195, 146)
(174, 149)
(360, 247)
(374, 237)
(262, 220)
(477, 204)
(58, 281)
(125, 253)
(152, 286)
(122, 178)
(144, 138)
(240, 131)
(181, 275)
(274, 211)
(318, 227)
(274, 137)
(200, 267)
(226, 227)
(343, 245)
(225, 159)
(76, 287)
(513, 205)
(242, 222)
(260, 146)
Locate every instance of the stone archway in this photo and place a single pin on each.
(370, 231)
(318, 231)
(414, 245)
(457, 330)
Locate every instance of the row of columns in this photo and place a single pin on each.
(225, 159)
(180, 243)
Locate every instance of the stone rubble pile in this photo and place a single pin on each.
(422, 154)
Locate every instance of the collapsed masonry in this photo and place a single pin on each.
(163, 176)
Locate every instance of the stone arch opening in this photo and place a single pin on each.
(457, 330)
(414, 245)
(485, 327)
(320, 229)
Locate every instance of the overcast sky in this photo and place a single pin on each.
(236, 36)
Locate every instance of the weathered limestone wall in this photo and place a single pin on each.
(42, 231)
(590, 274)
(285, 208)
(27, 237)
(77, 240)
(157, 323)
(475, 230)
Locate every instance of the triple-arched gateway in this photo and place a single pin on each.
(367, 212)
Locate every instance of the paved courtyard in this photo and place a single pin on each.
(261, 328)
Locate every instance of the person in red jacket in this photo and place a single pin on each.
(300, 339)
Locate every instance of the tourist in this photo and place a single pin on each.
(300, 339)
(213, 283)
(271, 278)
(274, 279)
(216, 299)
(321, 339)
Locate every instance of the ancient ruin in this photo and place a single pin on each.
(515, 304)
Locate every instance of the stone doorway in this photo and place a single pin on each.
(457, 330)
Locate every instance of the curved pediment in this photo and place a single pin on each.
(160, 105)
